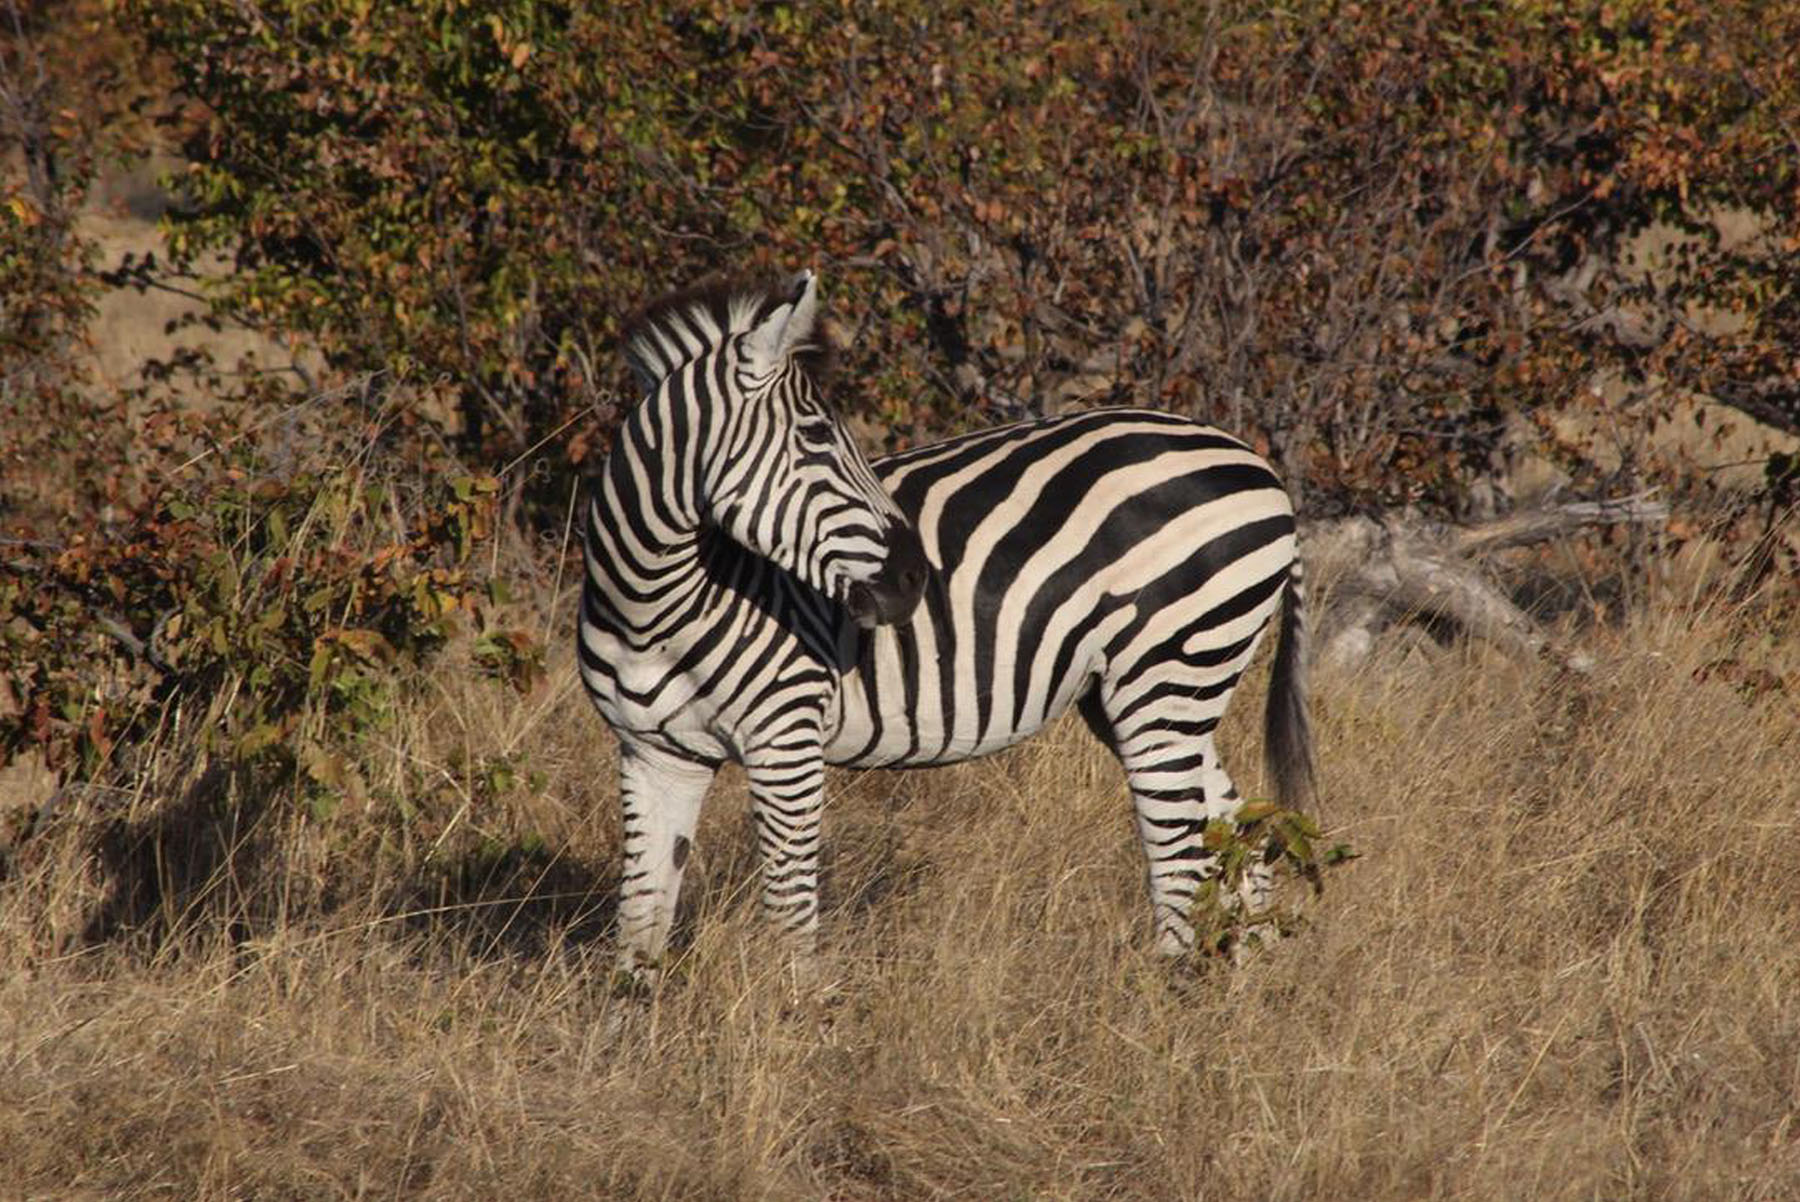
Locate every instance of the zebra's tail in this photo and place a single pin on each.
(1287, 736)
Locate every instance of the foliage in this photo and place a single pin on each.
(442, 192)
(266, 612)
(1365, 233)
(1263, 840)
(249, 575)
(46, 290)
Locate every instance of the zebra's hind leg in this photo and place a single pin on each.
(787, 787)
(661, 796)
(1176, 791)
(1178, 785)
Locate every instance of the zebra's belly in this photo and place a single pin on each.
(903, 709)
(692, 731)
(899, 742)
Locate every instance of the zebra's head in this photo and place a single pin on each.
(736, 368)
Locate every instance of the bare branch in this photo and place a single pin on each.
(1396, 567)
(1542, 525)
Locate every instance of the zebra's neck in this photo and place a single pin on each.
(645, 568)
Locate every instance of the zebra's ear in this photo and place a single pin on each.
(788, 327)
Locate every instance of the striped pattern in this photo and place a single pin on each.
(1128, 561)
(1124, 561)
(733, 536)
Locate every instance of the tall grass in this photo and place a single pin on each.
(1567, 965)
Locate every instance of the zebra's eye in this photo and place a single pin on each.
(817, 433)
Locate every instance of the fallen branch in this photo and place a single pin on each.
(1542, 525)
(1398, 567)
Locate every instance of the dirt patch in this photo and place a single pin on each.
(133, 325)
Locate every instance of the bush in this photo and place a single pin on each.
(1366, 234)
(261, 613)
(1371, 237)
(233, 570)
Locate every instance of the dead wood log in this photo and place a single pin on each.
(1389, 569)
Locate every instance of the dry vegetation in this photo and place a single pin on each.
(348, 934)
(1563, 968)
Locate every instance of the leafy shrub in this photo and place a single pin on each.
(1273, 841)
(236, 569)
(1366, 233)
(275, 604)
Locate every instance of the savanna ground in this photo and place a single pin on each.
(1563, 967)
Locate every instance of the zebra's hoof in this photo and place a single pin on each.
(635, 982)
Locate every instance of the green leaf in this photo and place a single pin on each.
(320, 666)
(258, 738)
(322, 805)
(278, 530)
(369, 645)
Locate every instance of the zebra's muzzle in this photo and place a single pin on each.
(894, 592)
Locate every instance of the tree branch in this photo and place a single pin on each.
(1397, 567)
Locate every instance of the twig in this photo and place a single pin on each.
(121, 634)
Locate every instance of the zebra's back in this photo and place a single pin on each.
(1120, 549)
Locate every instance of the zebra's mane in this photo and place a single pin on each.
(682, 326)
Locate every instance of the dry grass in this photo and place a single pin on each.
(1565, 967)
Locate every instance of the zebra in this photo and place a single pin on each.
(756, 590)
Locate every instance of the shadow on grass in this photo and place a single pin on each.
(214, 861)
(521, 901)
(185, 863)
(228, 858)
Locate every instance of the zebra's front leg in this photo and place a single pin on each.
(661, 796)
(787, 793)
